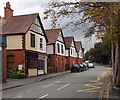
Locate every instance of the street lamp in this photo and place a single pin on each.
(2, 58)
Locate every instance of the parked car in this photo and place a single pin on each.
(85, 65)
(75, 68)
(90, 65)
(78, 68)
(82, 67)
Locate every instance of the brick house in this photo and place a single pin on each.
(26, 42)
(80, 53)
(71, 51)
(56, 49)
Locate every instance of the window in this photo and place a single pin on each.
(62, 49)
(32, 40)
(58, 47)
(48, 61)
(41, 43)
(71, 51)
(58, 62)
(10, 61)
(62, 62)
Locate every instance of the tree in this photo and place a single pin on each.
(104, 23)
(99, 53)
(89, 55)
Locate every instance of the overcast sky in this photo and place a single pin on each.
(38, 6)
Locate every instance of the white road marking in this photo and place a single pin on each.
(49, 85)
(57, 82)
(43, 96)
(29, 91)
(44, 86)
(63, 87)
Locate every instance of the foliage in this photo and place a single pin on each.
(50, 69)
(99, 53)
(88, 55)
(100, 18)
(15, 73)
(66, 66)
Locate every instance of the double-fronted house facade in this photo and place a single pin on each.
(80, 52)
(26, 42)
(56, 49)
(71, 51)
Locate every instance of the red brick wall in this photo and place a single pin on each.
(71, 61)
(19, 56)
(79, 61)
(59, 65)
(53, 61)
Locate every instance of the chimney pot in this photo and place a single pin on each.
(8, 11)
(8, 5)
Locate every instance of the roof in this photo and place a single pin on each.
(52, 35)
(78, 45)
(20, 24)
(68, 41)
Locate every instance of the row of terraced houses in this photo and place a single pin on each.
(29, 45)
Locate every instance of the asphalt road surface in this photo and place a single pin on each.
(86, 84)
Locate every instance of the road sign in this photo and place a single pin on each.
(3, 42)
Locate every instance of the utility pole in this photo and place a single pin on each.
(2, 58)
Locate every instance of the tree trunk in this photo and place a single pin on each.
(113, 60)
(118, 65)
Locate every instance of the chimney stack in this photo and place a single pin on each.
(8, 11)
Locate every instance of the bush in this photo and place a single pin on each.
(50, 69)
(16, 74)
(66, 66)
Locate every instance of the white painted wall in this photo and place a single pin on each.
(14, 42)
(35, 27)
(60, 37)
(80, 54)
(37, 42)
(72, 44)
(66, 53)
(49, 49)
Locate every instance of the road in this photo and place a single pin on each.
(85, 84)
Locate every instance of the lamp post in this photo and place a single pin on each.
(2, 58)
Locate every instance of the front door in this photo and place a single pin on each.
(10, 62)
(41, 67)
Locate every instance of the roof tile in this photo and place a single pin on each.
(52, 35)
(18, 24)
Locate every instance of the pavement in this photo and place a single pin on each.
(108, 92)
(114, 92)
(13, 83)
